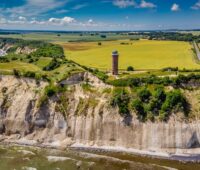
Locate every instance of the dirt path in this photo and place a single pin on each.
(197, 50)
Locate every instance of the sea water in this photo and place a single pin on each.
(31, 158)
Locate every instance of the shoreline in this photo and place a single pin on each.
(184, 158)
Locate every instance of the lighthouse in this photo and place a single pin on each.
(115, 58)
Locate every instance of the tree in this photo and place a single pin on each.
(130, 68)
(137, 105)
(175, 101)
(121, 99)
(103, 36)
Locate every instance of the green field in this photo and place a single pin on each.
(19, 66)
(66, 37)
(142, 55)
(55, 75)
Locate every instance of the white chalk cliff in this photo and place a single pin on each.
(81, 117)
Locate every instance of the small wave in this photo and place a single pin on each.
(25, 152)
(29, 168)
(165, 167)
(58, 158)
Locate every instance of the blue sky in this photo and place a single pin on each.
(99, 14)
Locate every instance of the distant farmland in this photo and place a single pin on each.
(143, 54)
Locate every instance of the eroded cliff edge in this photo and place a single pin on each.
(84, 117)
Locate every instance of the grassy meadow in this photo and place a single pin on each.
(19, 66)
(142, 54)
(70, 37)
(55, 75)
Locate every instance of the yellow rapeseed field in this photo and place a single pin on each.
(143, 54)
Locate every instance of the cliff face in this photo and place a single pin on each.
(84, 116)
(19, 50)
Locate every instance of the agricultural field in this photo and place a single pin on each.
(142, 54)
(196, 33)
(70, 37)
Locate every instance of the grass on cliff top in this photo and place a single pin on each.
(43, 62)
(55, 75)
(142, 55)
(19, 66)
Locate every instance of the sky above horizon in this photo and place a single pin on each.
(94, 15)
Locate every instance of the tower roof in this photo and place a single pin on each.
(115, 52)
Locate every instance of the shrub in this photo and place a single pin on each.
(50, 90)
(163, 116)
(121, 99)
(160, 94)
(42, 100)
(4, 60)
(49, 50)
(137, 105)
(175, 101)
(52, 65)
(16, 73)
(103, 36)
(86, 86)
(4, 90)
(162, 104)
(150, 116)
(31, 60)
(144, 94)
(28, 57)
(170, 69)
(30, 74)
(124, 43)
(134, 82)
(14, 58)
(102, 76)
(130, 68)
(154, 106)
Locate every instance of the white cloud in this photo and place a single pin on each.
(79, 6)
(62, 11)
(3, 21)
(21, 18)
(129, 3)
(51, 21)
(33, 7)
(35, 22)
(145, 4)
(124, 3)
(196, 6)
(175, 7)
(61, 21)
(90, 21)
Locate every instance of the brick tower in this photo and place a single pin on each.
(115, 58)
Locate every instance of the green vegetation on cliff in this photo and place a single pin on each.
(35, 59)
(150, 103)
